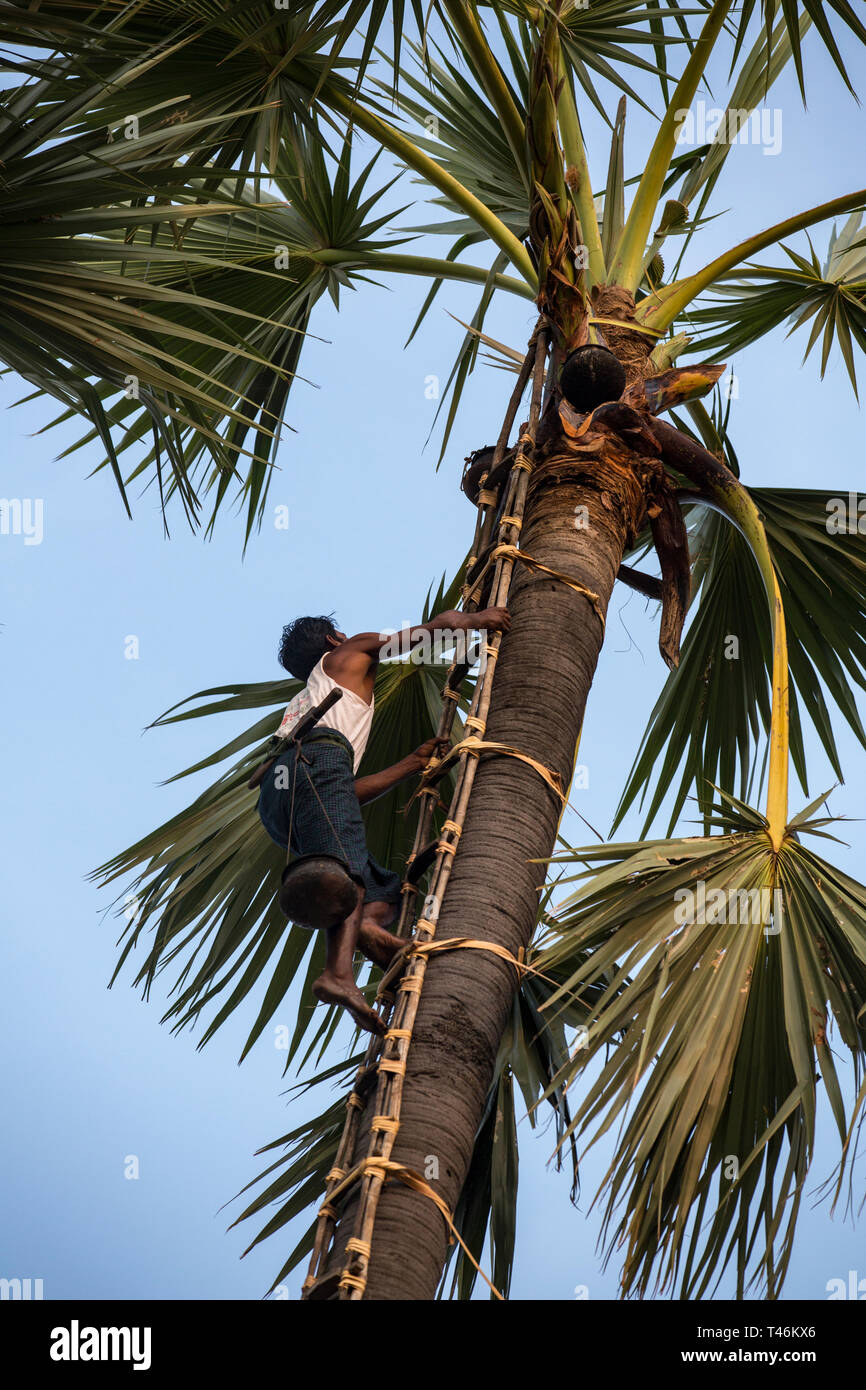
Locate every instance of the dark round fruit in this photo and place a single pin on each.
(317, 891)
(590, 376)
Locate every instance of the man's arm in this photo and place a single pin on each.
(369, 788)
(401, 643)
(354, 661)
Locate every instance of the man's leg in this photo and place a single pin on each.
(377, 943)
(336, 984)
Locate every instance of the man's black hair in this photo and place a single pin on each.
(303, 643)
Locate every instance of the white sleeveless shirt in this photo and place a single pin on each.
(351, 716)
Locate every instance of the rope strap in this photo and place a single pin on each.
(425, 948)
(457, 943)
(487, 498)
(512, 552)
(384, 1168)
(475, 746)
(412, 983)
(453, 827)
(516, 521)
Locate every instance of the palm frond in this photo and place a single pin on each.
(75, 278)
(301, 1171)
(608, 37)
(729, 967)
(463, 134)
(715, 708)
(748, 304)
(256, 72)
(254, 275)
(820, 12)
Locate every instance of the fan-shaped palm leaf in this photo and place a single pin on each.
(730, 963)
(820, 12)
(713, 709)
(81, 321)
(267, 265)
(750, 303)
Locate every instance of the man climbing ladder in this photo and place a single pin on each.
(310, 799)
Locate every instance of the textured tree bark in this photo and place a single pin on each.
(542, 681)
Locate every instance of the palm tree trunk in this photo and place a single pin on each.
(542, 681)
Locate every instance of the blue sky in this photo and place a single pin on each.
(91, 1076)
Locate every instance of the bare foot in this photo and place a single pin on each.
(333, 989)
(378, 945)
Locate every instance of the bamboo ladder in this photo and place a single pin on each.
(385, 1060)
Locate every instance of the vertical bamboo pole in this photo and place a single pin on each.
(326, 1223)
(392, 1064)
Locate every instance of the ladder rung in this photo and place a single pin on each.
(325, 1287)
(422, 861)
(364, 1084)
